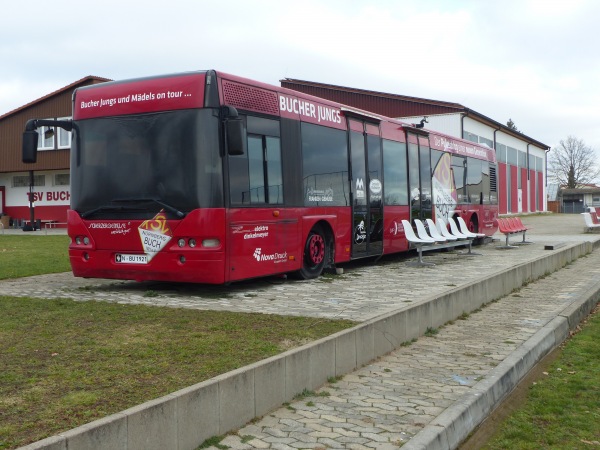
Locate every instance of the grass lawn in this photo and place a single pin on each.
(562, 410)
(65, 363)
(24, 256)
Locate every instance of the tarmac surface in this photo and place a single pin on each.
(395, 400)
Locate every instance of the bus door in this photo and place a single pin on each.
(419, 176)
(367, 188)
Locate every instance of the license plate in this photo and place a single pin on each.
(122, 258)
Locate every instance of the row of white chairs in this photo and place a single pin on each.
(436, 235)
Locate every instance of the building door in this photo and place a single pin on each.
(367, 188)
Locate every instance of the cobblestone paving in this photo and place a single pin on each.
(384, 404)
(364, 291)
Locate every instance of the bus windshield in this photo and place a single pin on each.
(128, 166)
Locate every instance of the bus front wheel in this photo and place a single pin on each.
(315, 251)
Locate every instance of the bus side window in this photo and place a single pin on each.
(255, 178)
(395, 173)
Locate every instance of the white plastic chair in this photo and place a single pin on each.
(436, 233)
(464, 229)
(443, 229)
(412, 237)
(589, 222)
(456, 232)
(422, 232)
(418, 243)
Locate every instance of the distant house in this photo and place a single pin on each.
(552, 195)
(575, 200)
(50, 174)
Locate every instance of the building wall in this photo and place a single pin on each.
(521, 175)
(52, 194)
(50, 200)
(444, 123)
(11, 136)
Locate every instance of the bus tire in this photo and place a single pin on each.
(315, 254)
(474, 224)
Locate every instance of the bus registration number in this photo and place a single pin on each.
(121, 258)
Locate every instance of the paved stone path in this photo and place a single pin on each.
(364, 291)
(384, 404)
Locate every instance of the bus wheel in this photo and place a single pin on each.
(315, 251)
(474, 224)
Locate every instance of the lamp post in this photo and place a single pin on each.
(31, 205)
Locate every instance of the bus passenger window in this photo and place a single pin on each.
(256, 170)
(256, 178)
(324, 166)
(395, 175)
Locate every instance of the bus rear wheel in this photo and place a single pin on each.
(315, 252)
(474, 224)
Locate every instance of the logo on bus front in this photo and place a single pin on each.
(155, 234)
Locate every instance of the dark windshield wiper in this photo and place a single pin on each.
(168, 207)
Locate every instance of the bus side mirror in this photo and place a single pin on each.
(30, 144)
(236, 136)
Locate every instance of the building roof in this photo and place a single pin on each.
(580, 191)
(394, 105)
(52, 94)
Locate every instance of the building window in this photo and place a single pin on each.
(23, 180)
(62, 179)
(470, 136)
(63, 136)
(501, 152)
(45, 143)
(60, 139)
(486, 141)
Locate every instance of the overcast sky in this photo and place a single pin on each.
(536, 62)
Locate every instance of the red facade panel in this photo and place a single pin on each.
(524, 189)
(540, 186)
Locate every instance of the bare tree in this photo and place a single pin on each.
(572, 163)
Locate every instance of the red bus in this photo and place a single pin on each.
(207, 177)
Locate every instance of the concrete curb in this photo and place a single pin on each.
(451, 427)
(186, 418)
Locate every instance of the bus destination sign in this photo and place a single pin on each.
(139, 96)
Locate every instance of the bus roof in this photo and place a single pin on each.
(187, 90)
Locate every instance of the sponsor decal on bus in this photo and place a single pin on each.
(257, 232)
(308, 111)
(444, 191)
(149, 95)
(319, 195)
(155, 234)
(273, 257)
